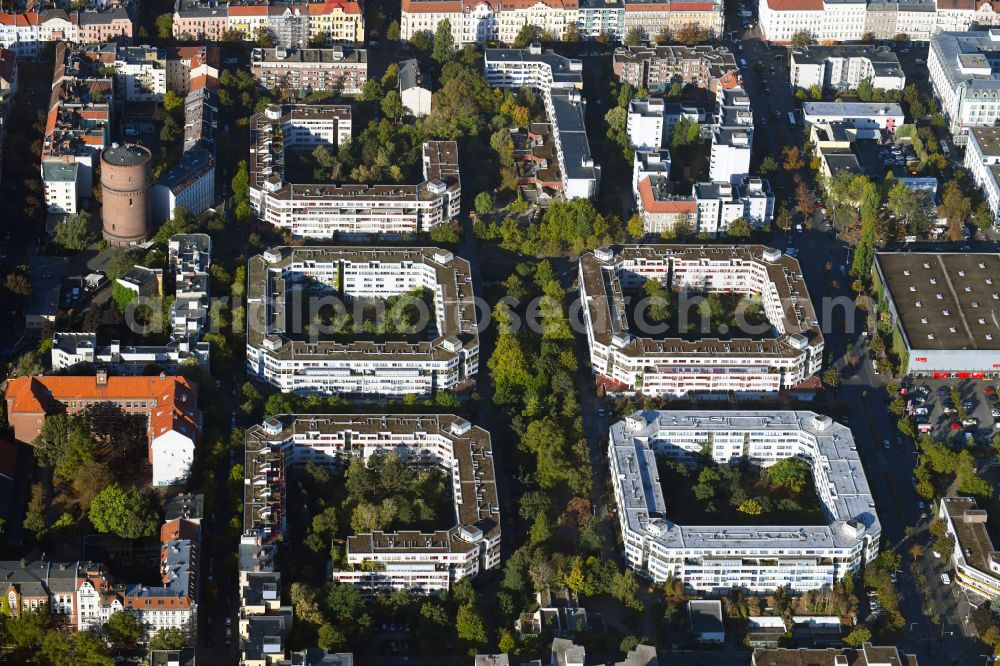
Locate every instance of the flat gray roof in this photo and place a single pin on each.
(944, 300)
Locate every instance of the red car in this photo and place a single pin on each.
(955, 426)
(989, 390)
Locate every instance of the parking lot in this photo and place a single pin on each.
(942, 418)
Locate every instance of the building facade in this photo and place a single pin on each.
(560, 81)
(963, 75)
(845, 66)
(168, 403)
(379, 562)
(323, 211)
(718, 559)
(294, 356)
(658, 68)
(291, 25)
(982, 159)
(655, 364)
(307, 70)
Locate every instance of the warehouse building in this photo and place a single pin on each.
(942, 307)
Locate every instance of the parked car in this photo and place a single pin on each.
(995, 412)
(921, 411)
(942, 392)
(970, 422)
(955, 425)
(989, 390)
(886, 445)
(946, 579)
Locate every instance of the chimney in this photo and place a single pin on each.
(102, 377)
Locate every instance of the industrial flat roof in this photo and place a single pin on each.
(944, 300)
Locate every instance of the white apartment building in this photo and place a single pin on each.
(379, 562)
(982, 159)
(963, 70)
(560, 81)
(650, 121)
(71, 349)
(732, 137)
(189, 183)
(649, 163)
(324, 210)
(338, 68)
(787, 351)
(189, 258)
(845, 66)
(863, 115)
(850, 20)
(716, 559)
(720, 203)
(141, 73)
(286, 349)
(162, 608)
(478, 22)
(976, 561)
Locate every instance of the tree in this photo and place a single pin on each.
(790, 473)
(633, 37)
(343, 601)
(831, 377)
(122, 629)
(625, 588)
(685, 133)
(571, 34)
(165, 25)
(858, 637)
(127, 512)
(738, 229)
(802, 38)
(332, 638)
(470, 626)
(35, 520)
(241, 181)
(74, 232)
(392, 33)
(170, 131)
(29, 628)
(506, 643)
(264, 37)
(81, 648)
(484, 203)
(768, 165)
(663, 36)
(636, 226)
(525, 36)
(956, 208)
(792, 158)
(444, 42)
(783, 219)
(172, 101)
(168, 639)
(422, 40)
(18, 284)
(392, 105)
(751, 507)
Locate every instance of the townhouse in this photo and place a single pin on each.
(719, 558)
(423, 562)
(77, 125)
(560, 81)
(658, 68)
(478, 22)
(168, 403)
(852, 20)
(324, 210)
(289, 287)
(307, 70)
(644, 358)
(26, 33)
(292, 24)
(843, 66)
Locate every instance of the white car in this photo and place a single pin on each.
(921, 411)
(946, 579)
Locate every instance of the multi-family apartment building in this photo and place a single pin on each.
(976, 561)
(286, 350)
(430, 562)
(710, 208)
(651, 362)
(719, 558)
(650, 121)
(77, 126)
(337, 69)
(189, 258)
(844, 66)
(560, 81)
(324, 210)
(658, 68)
(168, 403)
(141, 73)
(73, 349)
(26, 33)
(291, 25)
(189, 183)
(72, 592)
(866, 655)
(481, 22)
(963, 75)
(982, 159)
(852, 20)
(862, 115)
(732, 137)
